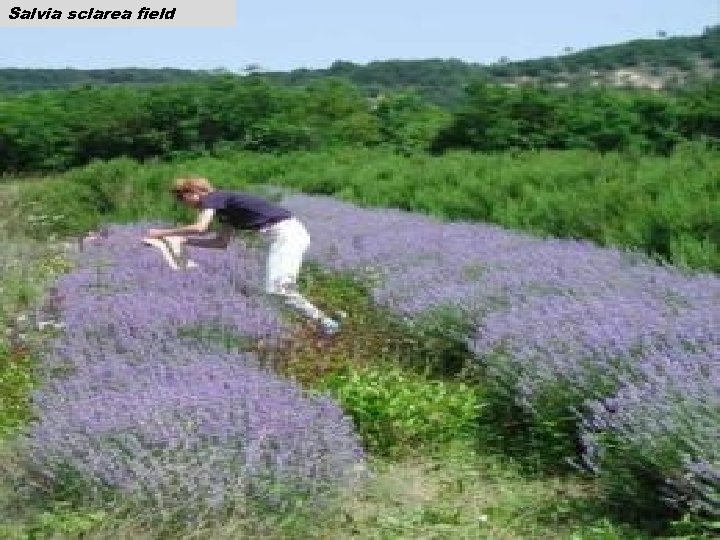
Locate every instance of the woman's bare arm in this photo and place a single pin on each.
(200, 226)
(220, 241)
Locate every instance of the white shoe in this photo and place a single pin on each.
(329, 327)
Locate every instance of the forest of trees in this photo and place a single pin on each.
(26, 79)
(665, 52)
(442, 81)
(55, 130)
(66, 118)
(530, 117)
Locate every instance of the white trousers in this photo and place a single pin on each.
(288, 241)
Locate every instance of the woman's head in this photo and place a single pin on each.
(191, 190)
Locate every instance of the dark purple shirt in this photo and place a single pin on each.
(242, 210)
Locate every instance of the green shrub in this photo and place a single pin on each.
(16, 379)
(396, 411)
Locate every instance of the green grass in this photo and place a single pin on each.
(26, 266)
(457, 492)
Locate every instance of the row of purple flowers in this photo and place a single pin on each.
(136, 400)
(629, 348)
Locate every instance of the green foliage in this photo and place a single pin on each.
(407, 123)
(16, 379)
(435, 342)
(21, 80)
(25, 271)
(54, 130)
(26, 268)
(701, 111)
(395, 410)
(694, 528)
(54, 523)
(441, 81)
(673, 52)
(67, 523)
(666, 207)
(531, 117)
(57, 130)
(438, 81)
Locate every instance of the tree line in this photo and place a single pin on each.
(496, 118)
(55, 130)
(681, 52)
(440, 81)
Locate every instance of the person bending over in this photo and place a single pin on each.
(288, 238)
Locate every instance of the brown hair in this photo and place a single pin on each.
(195, 185)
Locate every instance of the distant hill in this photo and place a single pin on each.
(656, 63)
(24, 79)
(661, 63)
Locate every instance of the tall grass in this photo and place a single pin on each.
(667, 207)
(26, 267)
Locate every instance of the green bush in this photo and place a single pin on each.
(16, 379)
(396, 411)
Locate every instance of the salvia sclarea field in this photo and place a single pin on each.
(566, 328)
(137, 400)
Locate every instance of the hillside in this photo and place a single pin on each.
(660, 63)
(26, 79)
(654, 63)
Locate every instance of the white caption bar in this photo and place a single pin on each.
(117, 13)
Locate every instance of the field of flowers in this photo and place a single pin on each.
(154, 388)
(139, 400)
(609, 357)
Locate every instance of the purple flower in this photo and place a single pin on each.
(137, 400)
(563, 327)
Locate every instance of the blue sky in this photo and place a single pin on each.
(288, 34)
